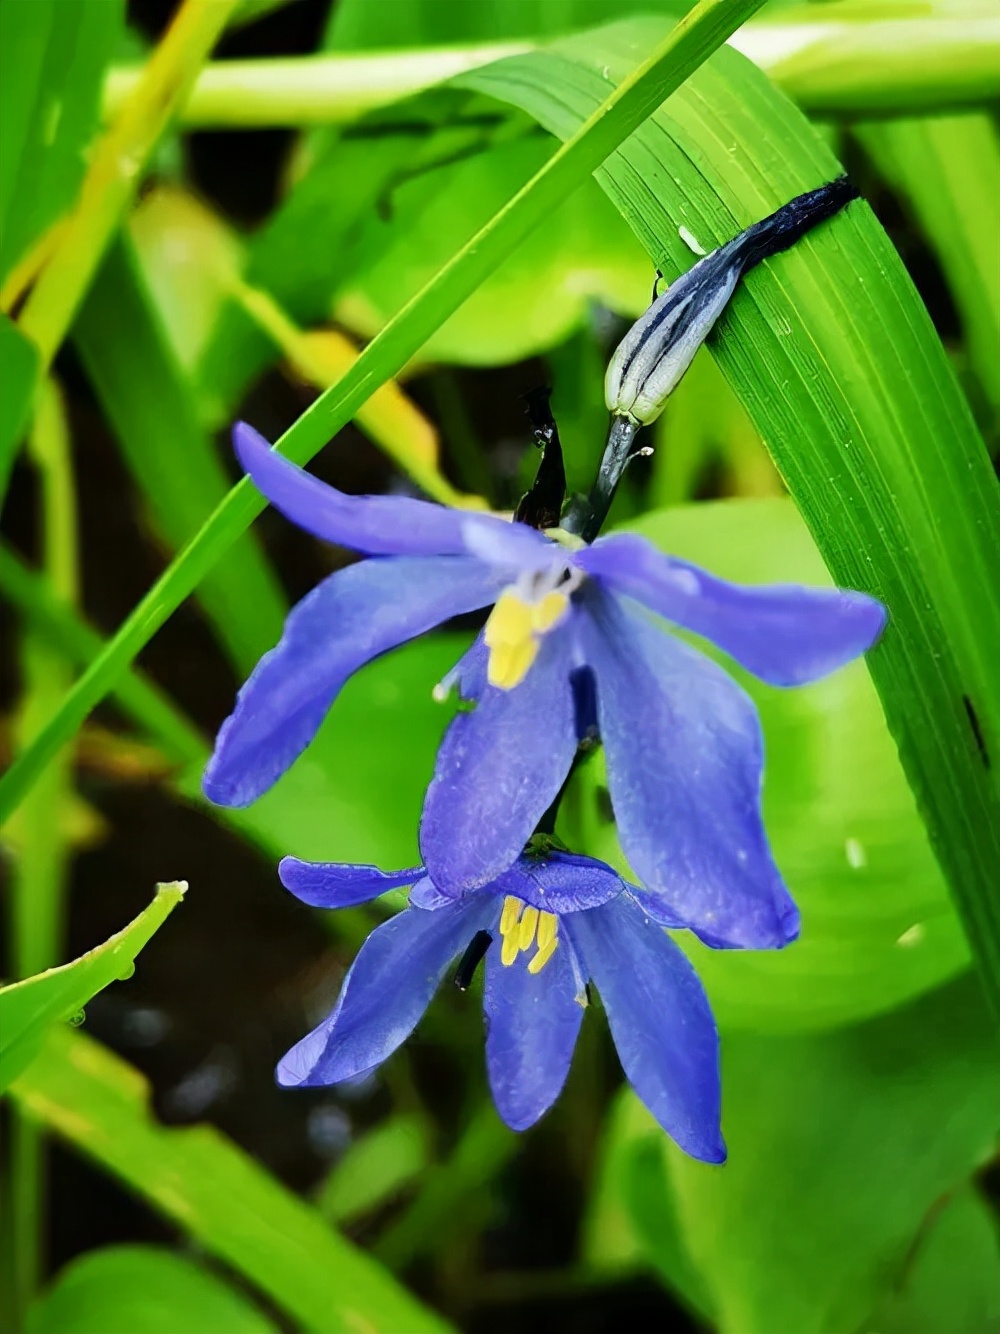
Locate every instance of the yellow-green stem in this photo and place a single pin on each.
(116, 169)
(37, 901)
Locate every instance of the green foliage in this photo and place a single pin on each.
(29, 1008)
(451, 230)
(52, 60)
(141, 1290)
(219, 1195)
(18, 369)
(841, 1149)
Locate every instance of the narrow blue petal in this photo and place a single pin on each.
(561, 882)
(347, 620)
(660, 1020)
(340, 884)
(685, 762)
(532, 1026)
(784, 633)
(498, 769)
(385, 993)
(376, 525)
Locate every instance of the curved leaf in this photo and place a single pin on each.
(839, 367)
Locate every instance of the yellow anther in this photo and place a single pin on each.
(548, 926)
(549, 612)
(545, 953)
(510, 914)
(526, 928)
(508, 663)
(513, 631)
(509, 622)
(509, 950)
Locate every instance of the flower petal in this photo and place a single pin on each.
(561, 882)
(499, 767)
(660, 1020)
(348, 619)
(376, 525)
(533, 1022)
(385, 993)
(685, 761)
(784, 633)
(340, 884)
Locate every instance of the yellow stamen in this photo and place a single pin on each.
(509, 663)
(509, 950)
(526, 928)
(549, 612)
(510, 914)
(545, 953)
(509, 622)
(513, 632)
(548, 926)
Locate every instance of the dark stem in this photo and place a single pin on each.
(617, 453)
(541, 507)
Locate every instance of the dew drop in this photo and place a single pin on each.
(77, 1019)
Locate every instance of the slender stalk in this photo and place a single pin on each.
(884, 67)
(79, 644)
(39, 878)
(686, 47)
(116, 168)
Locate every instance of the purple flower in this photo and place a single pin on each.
(569, 651)
(549, 925)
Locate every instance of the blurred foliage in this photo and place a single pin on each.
(859, 1085)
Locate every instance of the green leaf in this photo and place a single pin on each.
(148, 401)
(841, 1148)
(217, 1193)
(536, 298)
(839, 367)
(670, 62)
(141, 1290)
(846, 1141)
(29, 1008)
(375, 1168)
(951, 1281)
(52, 59)
(18, 374)
(948, 172)
(878, 926)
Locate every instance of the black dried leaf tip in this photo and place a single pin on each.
(471, 959)
(541, 507)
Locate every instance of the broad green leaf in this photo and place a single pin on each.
(141, 1290)
(535, 299)
(52, 59)
(841, 372)
(18, 374)
(29, 1008)
(878, 925)
(841, 1148)
(953, 1279)
(149, 403)
(217, 1193)
(669, 63)
(948, 171)
(375, 1168)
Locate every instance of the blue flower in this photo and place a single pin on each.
(553, 923)
(569, 651)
